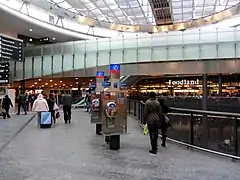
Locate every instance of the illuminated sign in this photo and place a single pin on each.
(184, 82)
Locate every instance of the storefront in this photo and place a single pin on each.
(189, 85)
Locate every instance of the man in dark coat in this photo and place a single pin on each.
(22, 103)
(6, 106)
(153, 118)
(67, 105)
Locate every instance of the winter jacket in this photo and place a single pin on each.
(40, 104)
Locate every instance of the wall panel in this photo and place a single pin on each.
(37, 65)
(47, 65)
(28, 68)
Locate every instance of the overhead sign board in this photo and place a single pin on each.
(10, 49)
(4, 72)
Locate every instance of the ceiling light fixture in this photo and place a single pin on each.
(39, 79)
(76, 78)
(53, 38)
(55, 84)
(51, 80)
(30, 30)
(30, 40)
(60, 81)
(35, 83)
(46, 83)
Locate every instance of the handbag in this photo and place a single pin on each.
(167, 120)
(55, 107)
(57, 115)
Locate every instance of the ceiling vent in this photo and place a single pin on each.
(162, 11)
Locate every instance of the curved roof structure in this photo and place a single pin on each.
(143, 15)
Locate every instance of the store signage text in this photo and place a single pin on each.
(184, 82)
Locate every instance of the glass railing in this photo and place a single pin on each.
(210, 131)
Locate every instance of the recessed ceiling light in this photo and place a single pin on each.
(63, 84)
(39, 79)
(60, 81)
(35, 83)
(53, 38)
(91, 80)
(76, 82)
(51, 80)
(30, 40)
(76, 78)
(51, 86)
(46, 83)
(30, 30)
(55, 84)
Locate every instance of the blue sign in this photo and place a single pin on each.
(123, 84)
(114, 67)
(106, 84)
(92, 85)
(100, 74)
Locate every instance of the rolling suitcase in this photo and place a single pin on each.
(46, 120)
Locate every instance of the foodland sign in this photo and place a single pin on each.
(184, 82)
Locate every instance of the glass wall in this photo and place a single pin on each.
(169, 47)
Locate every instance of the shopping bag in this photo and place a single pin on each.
(55, 107)
(145, 129)
(46, 118)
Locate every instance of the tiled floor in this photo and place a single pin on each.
(73, 151)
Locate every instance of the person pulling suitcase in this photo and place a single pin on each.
(40, 106)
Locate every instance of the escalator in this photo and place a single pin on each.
(130, 80)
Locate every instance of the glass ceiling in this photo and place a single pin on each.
(142, 12)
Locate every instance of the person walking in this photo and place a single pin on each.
(67, 105)
(22, 103)
(88, 102)
(40, 105)
(51, 102)
(153, 117)
(164, 125)
(6, 103)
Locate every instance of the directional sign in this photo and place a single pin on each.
(4, 73)
(11, 49)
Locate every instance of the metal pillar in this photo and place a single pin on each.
(220, 85)
(205, 92)
(205, 125)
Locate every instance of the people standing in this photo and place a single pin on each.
(153, 117)
(6, 103)
(51, 102)
(40, 105)
(67, 105)
(21, 103)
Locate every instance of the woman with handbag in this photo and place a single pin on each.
(53, 107)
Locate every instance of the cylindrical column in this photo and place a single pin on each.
(220, 85)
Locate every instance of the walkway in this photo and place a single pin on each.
(74, 152)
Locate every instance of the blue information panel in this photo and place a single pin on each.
(106, 84)
(115, 68)
(100, 74)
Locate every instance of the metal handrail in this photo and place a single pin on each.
(136, 110)
(195, 111)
